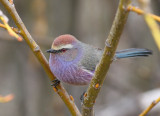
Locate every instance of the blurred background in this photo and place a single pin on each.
(131, 84)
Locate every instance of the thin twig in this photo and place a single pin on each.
(150, 107)
(7, 98)
(38, 53)
(10, 31)
(151, 21)
(5, 20)
(11, 1)
(14, 29)
(141, 12)
(154, 28)
(3, 26)
(109, 51)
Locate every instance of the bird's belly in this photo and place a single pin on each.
(73, 75)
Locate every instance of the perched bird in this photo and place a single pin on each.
(74, 62)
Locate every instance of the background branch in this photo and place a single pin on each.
(141, 12)
(155, 31)
(9, 29)
(151, 21)
(7, 98)
(14, 29)
(149, 18)
(107, 58)
(150, 107)
(38, 53)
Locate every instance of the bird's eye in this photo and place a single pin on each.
(64, 50)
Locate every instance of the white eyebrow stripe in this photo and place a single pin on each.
(66, 46)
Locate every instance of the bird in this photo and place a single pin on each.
(74, 62)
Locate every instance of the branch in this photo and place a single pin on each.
(38, 53)
(150, 107)
(5, 20)
(14, 29)
(3, 26)
(141, 12)
(150, 20)
(154, 28)
(109, 51)
(7, 98)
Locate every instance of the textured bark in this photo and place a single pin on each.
(38, 53)
(109, 51)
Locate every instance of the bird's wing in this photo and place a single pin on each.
(90, 58)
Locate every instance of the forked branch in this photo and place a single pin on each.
(38, 53)
(109, 51)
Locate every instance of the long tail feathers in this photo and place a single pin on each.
(132, 52)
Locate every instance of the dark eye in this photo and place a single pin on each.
(64, 50)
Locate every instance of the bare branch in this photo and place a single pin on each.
(141, 12)
(5, 20)
(150, 107)
(38, 53)
(109, 51)
(7, 98)
(151, 21)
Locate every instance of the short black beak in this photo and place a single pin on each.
(50, 51)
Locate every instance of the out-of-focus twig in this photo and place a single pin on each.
(152, 24)
(150, 20)
(109, 51)
(154, 28)
(11, 1)
(7, 98)
(4, 19)
(10, 31)
(38, 53)
(2, 25)
(42, 41)
(150, 107)
(14, 29)
(141, 12)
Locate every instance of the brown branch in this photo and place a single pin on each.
(150, 107)
(14, 29)
(154, 28)
(109, 51)
(3, 26)
(141, 12)
(9, 29)
(38, 53)
(151, 21)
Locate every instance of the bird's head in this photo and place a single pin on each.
(64, 47)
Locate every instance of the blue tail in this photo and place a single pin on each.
(133, 52)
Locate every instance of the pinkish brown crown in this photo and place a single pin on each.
(63, 40)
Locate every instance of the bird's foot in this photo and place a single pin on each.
(55, 82)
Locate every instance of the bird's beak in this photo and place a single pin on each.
(50, 51)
